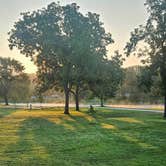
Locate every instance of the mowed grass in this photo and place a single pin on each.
(106, 138)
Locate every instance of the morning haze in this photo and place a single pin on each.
(119, 17)
(88, 101)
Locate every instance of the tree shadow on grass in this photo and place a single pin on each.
(78, 139)
(27, 150)
(95, 145)
(42, 142)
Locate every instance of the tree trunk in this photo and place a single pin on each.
(165, 106)
(77, 99)
(6, 100)
(101, 102)
(163, 75)
(66, 101)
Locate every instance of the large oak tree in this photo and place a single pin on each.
(61, 41)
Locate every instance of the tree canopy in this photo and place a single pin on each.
(63, 43)
(9, 71)
(154, 35)
(108, 77)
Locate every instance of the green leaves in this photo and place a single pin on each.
(10, 69)
(66, 45)
(153, 34)
(108, 77)
(61, 41)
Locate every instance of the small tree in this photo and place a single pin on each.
(108, 77)
(149, 83)
(9, 71)
(20, 88)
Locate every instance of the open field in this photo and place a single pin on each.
(108, 137)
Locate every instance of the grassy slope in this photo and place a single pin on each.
(47, 137)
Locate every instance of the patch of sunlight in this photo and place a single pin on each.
(55, 120)
(56, 117)
(9, 127)
(65, 120)
(42, 113)
(36, 114)
(68, 126)
(137, 141)
(68, 118)
(129, 120)
(34, 149)
(40, 151)
(83, 115)
(107, 126)
(61, 122)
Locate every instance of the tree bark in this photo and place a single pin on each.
(66, 101)
(101, 102)
(165, 106)
(163, 75)
(77, 98)
(6, 100)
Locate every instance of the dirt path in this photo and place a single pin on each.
(142, 108)
(135, 109)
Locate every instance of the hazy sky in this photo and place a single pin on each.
(120, 17)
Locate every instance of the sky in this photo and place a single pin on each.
(120, 17)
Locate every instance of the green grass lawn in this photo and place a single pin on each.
(108, 137)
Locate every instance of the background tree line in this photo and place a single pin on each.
(138, 86)
(14, 83)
